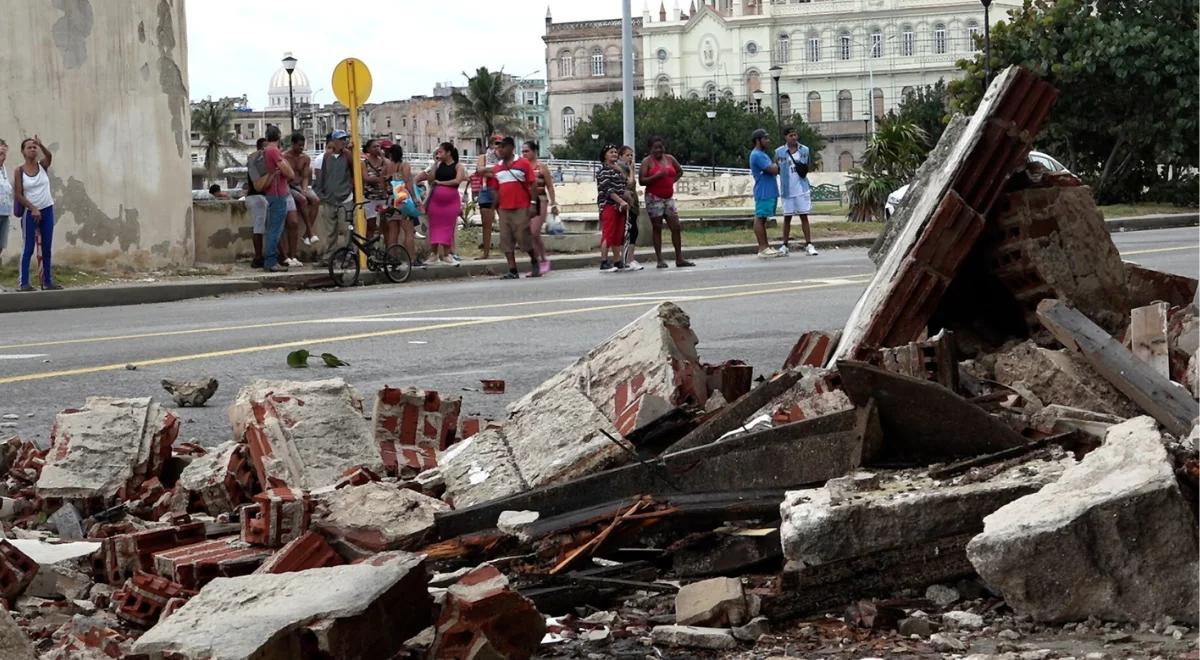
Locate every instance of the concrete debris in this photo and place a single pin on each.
(376, 516)
(1058, 377)
(191, 392)
(17, 570)
(483, 618)
(752, 631)
(335, 611)
(962, 620)
(1147, 286)
(1112, 538)
(67, 522)
(412, 426)
(303, 435)
(817, 393)
(1055, 419)
(717, 602)
(61, 567)
(714, 639)
(516, 522)
(222, 479)
(106, 449)
(14, 645)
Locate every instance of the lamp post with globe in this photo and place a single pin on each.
(289, 64)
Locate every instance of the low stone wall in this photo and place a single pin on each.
(223, 231)
(693, 191)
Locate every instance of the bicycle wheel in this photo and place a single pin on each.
(343, 267)
(397, 264)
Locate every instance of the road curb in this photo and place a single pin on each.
(1159, 221)
(130, 294)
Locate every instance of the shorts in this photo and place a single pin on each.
(765, 208)
(514, 230)
(291, 203)
(371, 208)
(799, 205)
(660, 207)
(257, 206)
(612, 226)
(3, 232)
(487, 198)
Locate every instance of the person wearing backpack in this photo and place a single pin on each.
(256, 202)
(274, 184)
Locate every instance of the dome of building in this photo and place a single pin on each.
(277, 91)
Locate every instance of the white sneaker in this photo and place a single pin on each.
(314, 240)
(419, 235)
(783, 249)
(811, 250)
(769, 253)
(634, 265)
(294, 262)
(304, 240)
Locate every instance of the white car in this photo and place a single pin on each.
(1045, 160)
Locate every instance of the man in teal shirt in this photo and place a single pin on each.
(766, 190)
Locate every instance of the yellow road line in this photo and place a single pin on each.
(422, 312)
(1155, 250)
(383, 333)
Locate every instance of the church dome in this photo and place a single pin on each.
(277, 91)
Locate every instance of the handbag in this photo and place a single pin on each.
(404, 202)
(554, 226)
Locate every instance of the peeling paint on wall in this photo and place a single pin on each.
(161, 249)
(72, 31)
(170, 77)
(94, 226)
(142, 32)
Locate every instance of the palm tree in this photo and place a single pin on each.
(891, 159)
(487, 104)
(212, 120)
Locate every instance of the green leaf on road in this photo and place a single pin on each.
(333, 361)
(298, 359)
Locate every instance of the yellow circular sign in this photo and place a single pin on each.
(352, 82)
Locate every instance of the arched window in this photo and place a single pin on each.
(597, 62)
(693, 96)
(784, 49)
(785, 106)
(752, 83)
(939, 39)
(845, 161)
(845, 105)
(906, 91)
(876, 43)
(727, 94)
(845, 46)
(566, 65)
(568, 120)
(908, 41)
(710, 91)
(877, 102)
(814, 107)
(972, 35)
(814, 48)
(662, 86)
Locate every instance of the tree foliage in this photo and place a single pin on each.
(685, 127)
(212, 120)
(890, 160)
(487, 104)
(1127, 74)
(927, 107)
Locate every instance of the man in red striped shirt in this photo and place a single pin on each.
(516, 181)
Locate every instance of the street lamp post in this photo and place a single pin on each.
(757, 96)
(712, 142)
(987, 45)
(776, 72)
(289, 63)
(599, 163)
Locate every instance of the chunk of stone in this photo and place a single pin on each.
(67, 522)
(1113, 538)
(964, 620)
(941, 595)
(193, 393)
(946, 643)
(1060, 377)
(915, 626)
(222, 478)
(844, 488)
(483, 618)
(376, 516)
(106, 449)
(322, 612)
(755, 628)
(514, 523)
(913, 509)
(556, 433)
(716, 639)
(715, 602)
(1055, 419)
(14, 645)
(303, 434)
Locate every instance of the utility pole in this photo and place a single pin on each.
(627, 131)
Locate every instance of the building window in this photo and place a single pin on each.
(877, 44)
(663, 87)
(710, 91)
(939, 39)
(568, 121)
(877, 102)
(845, 162)
(814, 107)
(752, 83)
(784, 51)
(906, 91)
(907, 42)
(661, 54)
(814, 49)
(566, 66)
(751, 48)
(972, 36)
(389, 122)
(785, 106)
(597, 62)
(844, 50)
(845, 105)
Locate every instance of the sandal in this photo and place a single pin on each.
(684, 264)
(510, 276)
(662, 264)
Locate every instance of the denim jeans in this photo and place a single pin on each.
(276, 215)
(32, 228)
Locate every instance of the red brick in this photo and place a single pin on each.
(411, 425)
(16, 570)
(813, 349)
(195, 565)
(276, 517)
(733, 379)
(470, 426)
(310, 550)
(142, 600)
(121, 556)
(483, 617)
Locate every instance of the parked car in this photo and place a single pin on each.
(1045, 160)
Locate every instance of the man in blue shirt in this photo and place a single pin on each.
(793, 159)
(766, 190)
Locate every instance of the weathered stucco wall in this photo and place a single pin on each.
(222, 231)
(104, 84)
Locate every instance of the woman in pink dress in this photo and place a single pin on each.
(444, 204)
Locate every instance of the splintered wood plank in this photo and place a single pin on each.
(1148, 336)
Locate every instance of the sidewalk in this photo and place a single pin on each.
(244, 280)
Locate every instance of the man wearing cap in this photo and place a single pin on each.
(766, 190)
(335, 188)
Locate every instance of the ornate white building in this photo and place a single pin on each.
(277, 92)
(838, 60)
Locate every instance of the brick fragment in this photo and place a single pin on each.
(276, 517)
(197, 564)
(411, 425)
(17, 570)
(309, 550)
(122, 555)
(484, 618)
(142, 600)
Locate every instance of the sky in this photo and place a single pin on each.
(416, 43)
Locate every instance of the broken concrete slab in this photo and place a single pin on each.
(376, 516)
(67, 522)
(1147, 286)
(717, 602)
(818, 392)
(303, 434)
(337, 611)
(105, 450)
(714, 639)
(1060, 377)
(222, 479)
(1167, 402)
(735, 414)
(191, 392)
(1054, 244)
(483, 618)
(61, 567)
(514, 523)
(14, 645)
(480, 469)
(411, 426)
(1055, 419)
(1112, 538)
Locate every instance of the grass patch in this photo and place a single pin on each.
(1113, 211)
(64, 275)
(702, 236)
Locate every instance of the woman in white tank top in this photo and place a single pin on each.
(31, 189)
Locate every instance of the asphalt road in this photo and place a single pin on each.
(440, 335)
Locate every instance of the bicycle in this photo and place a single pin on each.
(394, 261)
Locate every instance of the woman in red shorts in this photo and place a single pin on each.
(610, 187)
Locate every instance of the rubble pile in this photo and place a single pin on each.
(996, 455)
